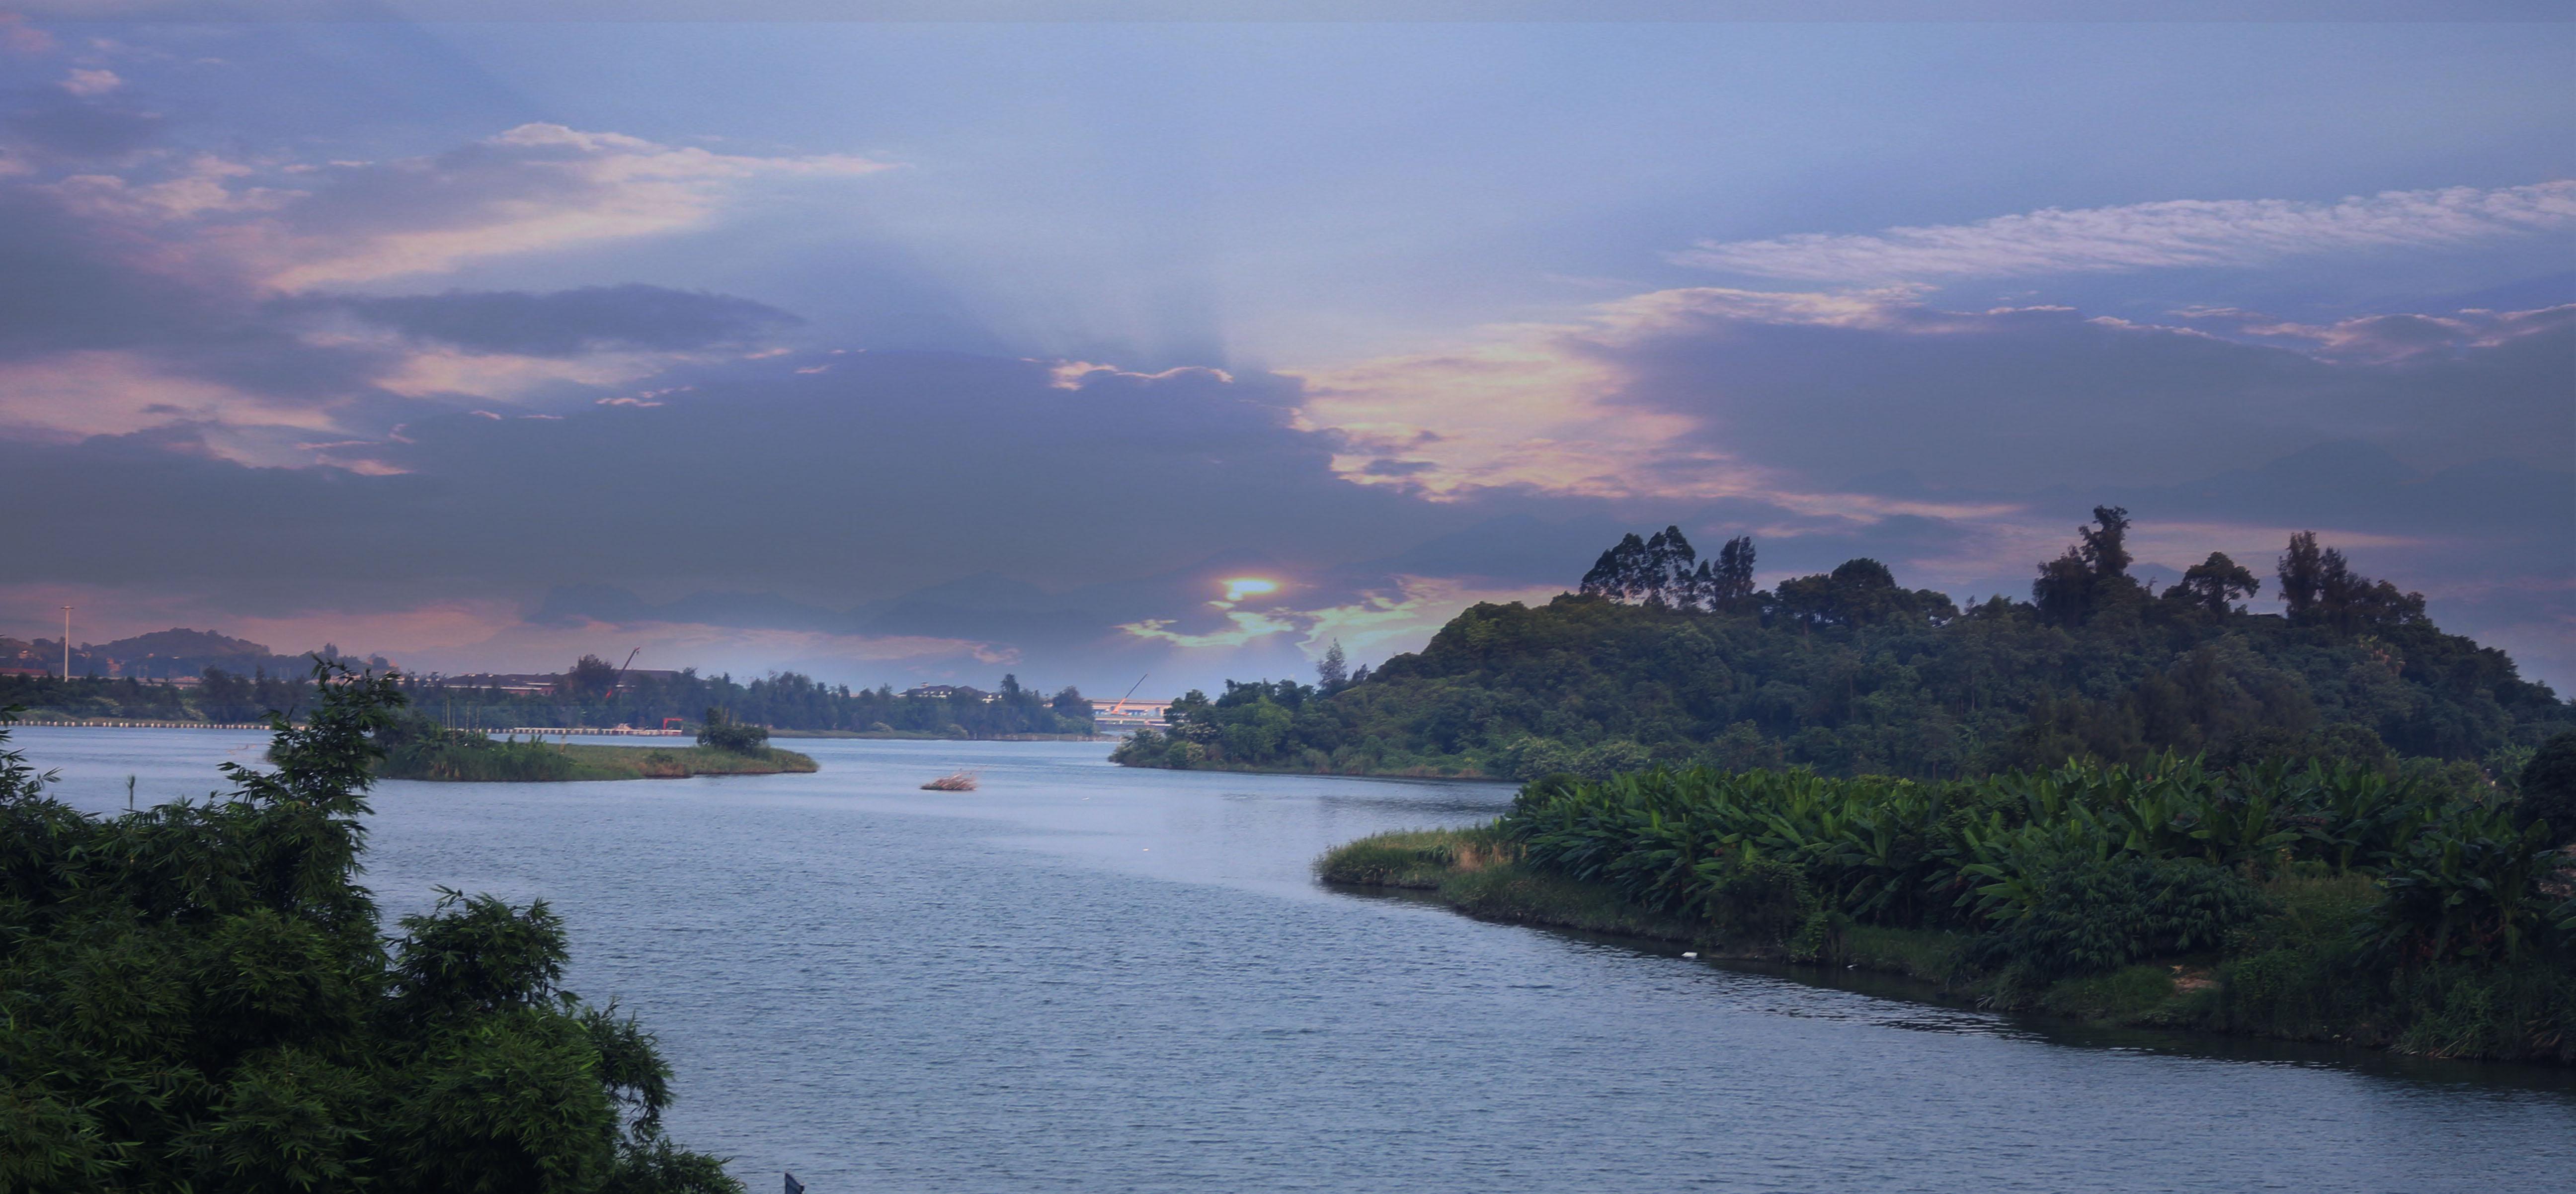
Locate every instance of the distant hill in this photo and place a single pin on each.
(1662, 658)
(159, 655)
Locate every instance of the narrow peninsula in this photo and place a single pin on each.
(417, 748)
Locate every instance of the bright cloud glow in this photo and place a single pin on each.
(1242, 587)
(1376, 624)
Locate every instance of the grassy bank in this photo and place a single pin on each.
(473, 759)
(2298, 971)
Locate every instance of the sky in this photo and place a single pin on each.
(1091, 349)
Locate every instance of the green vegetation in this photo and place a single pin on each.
(2322, 902)
(720, 732)
(414, 748)
(591, 693)
(198, 997)
(1658, 662)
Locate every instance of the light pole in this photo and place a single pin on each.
(67, 644)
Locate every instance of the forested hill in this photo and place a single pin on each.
(1663, 658)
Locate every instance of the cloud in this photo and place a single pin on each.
(1530, 406)
(2388, 339)
(892, 471)
(88, 83)
(571, 322)
(1373, 624)
(150, 293)
(535, 187)
(2181, 232)
(19, 37)
(1709, 393)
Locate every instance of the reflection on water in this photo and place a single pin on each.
(1086, 978)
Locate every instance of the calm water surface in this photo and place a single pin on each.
(1088, 978)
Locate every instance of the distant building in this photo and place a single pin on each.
(950, 692)
(518, 682)
(1128, 714)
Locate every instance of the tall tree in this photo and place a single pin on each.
(2106, 548)
(2093, 573)
(1334, 671)
(2214, 584)
(1620, 572)
(2302, 572)
(1668, 570)
(591, 678)
(1732, 582)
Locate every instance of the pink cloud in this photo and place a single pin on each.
(87, 83)
(19, 37)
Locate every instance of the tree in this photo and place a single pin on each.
(2092, 575)
(2302, 573)
(2321, 588)
(1620, 572)
(1731, 583)
(263, 1035)
(2106, 544)
(721, 732)
(1668, 574)
(1333, 673)
(591, 679)
(1663, 571)
(1859, 592)
(2214, 584)
(2548, 784)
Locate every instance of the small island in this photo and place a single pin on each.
(416, 748)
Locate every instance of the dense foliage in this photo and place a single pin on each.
(589, 694)
(2466, 944)
(197, 998)
(719, 731)
(1848, 673)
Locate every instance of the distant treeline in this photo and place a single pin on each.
(219, 696)
(1660, 659)
(587, 695)
(590, 695)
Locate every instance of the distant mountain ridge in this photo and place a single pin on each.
(176, 653)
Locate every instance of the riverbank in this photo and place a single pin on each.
(485, 761)
(927, 736)
(1170, 752)
(2283, 977)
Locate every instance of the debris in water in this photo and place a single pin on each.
(959, 781)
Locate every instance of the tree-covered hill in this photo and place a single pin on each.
(1663, 659)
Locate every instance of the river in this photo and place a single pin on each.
(1086, 978)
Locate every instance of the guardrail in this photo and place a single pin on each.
(542, 731)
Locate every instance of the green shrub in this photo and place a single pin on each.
(2086, 916)
(722, 732)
